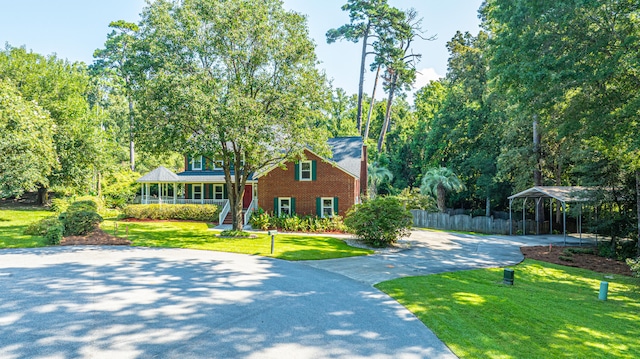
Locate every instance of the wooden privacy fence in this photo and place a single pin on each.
(463, 222)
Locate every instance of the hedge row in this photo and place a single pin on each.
(195, 212)
(264, 221)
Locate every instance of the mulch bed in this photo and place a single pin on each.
(97, 237)
(579, 260)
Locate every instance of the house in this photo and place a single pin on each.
(313, 186)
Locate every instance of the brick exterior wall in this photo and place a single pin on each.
(330, 182)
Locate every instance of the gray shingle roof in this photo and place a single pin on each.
(159, 175)
(347, 153)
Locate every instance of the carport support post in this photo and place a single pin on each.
(524, 218)
(510, 219)
(564, 221)
(538, 215)
(550, 215)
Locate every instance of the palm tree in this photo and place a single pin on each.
(377, 175)
(437, 181)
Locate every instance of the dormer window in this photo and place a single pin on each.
(196, 163)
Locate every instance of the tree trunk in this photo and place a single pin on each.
(387, 116)
(638, 207)
(132, 159)
(363, 60)
(441, 198)
(537, 172)
(43, 195)
(99, 183)
(487, 212)
(372, 104)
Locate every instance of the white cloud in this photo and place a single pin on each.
(424, 76)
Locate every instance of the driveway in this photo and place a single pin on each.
(430, 252)
(122, 302)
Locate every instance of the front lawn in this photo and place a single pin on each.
(196, 235)
(552, 311)
(13, 222)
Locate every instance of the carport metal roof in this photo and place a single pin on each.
(563, 194)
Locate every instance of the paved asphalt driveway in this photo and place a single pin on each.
(431, 252)
(102, 302)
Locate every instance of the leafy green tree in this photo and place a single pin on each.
(377, 175)
(233, 80)
(399, 62)
(26, 143)
(437, 181)
(61, 88)
(380, 221)
(117, 59)
(368, 19)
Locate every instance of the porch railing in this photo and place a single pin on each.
(252, 207)
(224, 212)
(180, 200)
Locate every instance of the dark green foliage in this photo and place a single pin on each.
(79, 222)
(380, 221)
(235, 234)
(205, 213)
(50, 228)
(84, 205)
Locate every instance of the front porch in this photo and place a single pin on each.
(161, 186)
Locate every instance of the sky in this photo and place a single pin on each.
(73, 29)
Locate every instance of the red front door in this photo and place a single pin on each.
(248, 196)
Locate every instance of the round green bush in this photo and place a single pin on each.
(380, 221)
(77, 223)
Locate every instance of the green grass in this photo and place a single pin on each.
(12, 226)
(551, 311)
(197, 235)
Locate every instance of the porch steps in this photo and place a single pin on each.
(229, 220)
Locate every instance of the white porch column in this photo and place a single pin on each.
(175, 190)
(159, 193)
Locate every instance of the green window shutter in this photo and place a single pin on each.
(319, 206)
(335, 206)
(188, 163)
(188, 191)
(210, 190)
(275, 206)
(314, 170)
(225, 191)
(297, 171)
(293, 205)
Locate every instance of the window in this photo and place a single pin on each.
(305, 171)
(284, 206)
(196, 192)
(217, 164)
(326, 207)
(218, 191)
(196, 163)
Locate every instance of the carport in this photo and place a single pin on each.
(562, 194)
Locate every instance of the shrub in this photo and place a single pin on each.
(79, 222)
(294, 223)
(205, 212)
(634, 265)
(380, 221)
(119, 188)
(59, 205)
(235, 234)
(51, 228)
(84, 205)
(414, 199)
